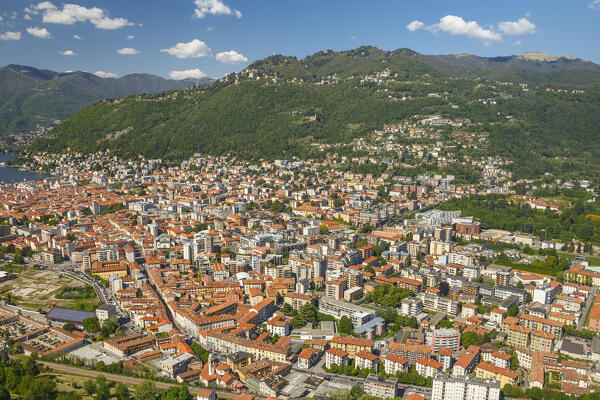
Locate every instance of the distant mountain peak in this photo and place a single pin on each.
(539, 56)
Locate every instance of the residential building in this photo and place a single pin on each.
(464, 388)
(380, 387)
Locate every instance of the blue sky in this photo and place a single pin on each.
(176, 38)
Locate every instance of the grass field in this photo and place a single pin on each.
(38, 289)
(73, 383)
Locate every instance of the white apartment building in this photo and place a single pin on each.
(464, 388)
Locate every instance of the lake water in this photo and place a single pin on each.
(14, 175)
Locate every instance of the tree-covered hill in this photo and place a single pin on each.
(281, 106)
(32, 98)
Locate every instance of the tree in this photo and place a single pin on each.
(42, 388)
(345, 325)
(286, 309)
(308, 312)
(121, 391)
(18, 259)
(512, 311)
(109, 327)
(69, 396)
(145, 391)
(183, 393)
(31, 367)
(69, 326)
(89, 386)
(91, 324)
(470, 338)
(4, 394)
(356, 392)
(323, 229)
(102, 391)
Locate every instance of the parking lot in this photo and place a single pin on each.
(93, 353)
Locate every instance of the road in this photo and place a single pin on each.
(588, 305)
(128, 380)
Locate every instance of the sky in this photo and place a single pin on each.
(194, 38)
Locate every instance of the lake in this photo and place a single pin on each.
(14, 175)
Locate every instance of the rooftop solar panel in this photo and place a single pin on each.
(69, 315)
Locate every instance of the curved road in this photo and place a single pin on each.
(128, 380)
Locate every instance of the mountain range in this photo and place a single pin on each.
(282, 106)
(32, 98)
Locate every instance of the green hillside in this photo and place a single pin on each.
(264, 111)
(32, 98)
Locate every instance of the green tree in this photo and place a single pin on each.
(286, 309)
(42, 388)
(145, 391)
(89, 386)
(308, 312)
(345, 325)
(4, 394)
(512, 311)
(121, 391)
(109, 327)
(356, 392)
(69, 326)
(91, 324)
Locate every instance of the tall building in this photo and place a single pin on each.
(445, 338)
(502, 278)
(319, 267)
(464, 388)
(335, 289)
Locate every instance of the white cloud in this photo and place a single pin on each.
(210, 29)
(41, 33)
(35, 9)
(10, 36)
(415, 25)
(128, 51)
(77, 37)
(518, 43)
(213, 7)
(521, 27)
(67, 53)
(194, 49)
(231, 57)
(188, 73)
(456, 26)
(27, 17)
(594, 5)
(72, 13)
(130, 37)
(103, 74)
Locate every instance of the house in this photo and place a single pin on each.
(206, 394)
(393, 363)
(502, 375)
(428, 367)
(335, 356)
(466, 362)
(365, 359)
(307, 358)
